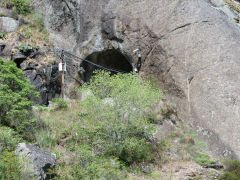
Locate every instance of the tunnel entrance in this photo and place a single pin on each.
(112, 59)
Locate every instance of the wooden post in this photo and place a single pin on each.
(62, 84)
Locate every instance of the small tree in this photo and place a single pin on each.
(15, 90)
(115, 116)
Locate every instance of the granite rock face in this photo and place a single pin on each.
(36, 161)
(190, 46)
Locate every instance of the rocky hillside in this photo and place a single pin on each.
(188, 49)
(189, 46)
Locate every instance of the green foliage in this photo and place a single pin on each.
(196, 148)
(22, 6)
(232, 171)
(89, 166)
(27, 34)
(2, 14)
(3, 36)
(41, 108)
(9, 139)
(114, 120)
(10, 166)
(203, 159)
(46, 139)
(59, 104)
(15, 105)
(132, 150)
(27, 49)
(37, 21)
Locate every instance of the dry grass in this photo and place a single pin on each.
(57, 122)
(233, 5)
(54, 136)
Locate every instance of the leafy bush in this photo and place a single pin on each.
(3, 36)
(89, 166)
(26, 49)
(203, 159)
(10, 166)
(232, 171)
(15, 105)
(8, 139)
(114, 119)
(59, 103)
(22, 6)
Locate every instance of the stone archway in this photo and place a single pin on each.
(110, 58)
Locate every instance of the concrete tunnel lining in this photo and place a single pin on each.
(110, 58)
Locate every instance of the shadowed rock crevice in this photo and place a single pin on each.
(112, 59)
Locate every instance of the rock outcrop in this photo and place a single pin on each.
(190, 46)
(36, 161)
(45, 77)
(8, 24)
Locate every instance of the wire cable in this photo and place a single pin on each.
(67, 53)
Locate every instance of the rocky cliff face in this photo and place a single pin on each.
(190, 46)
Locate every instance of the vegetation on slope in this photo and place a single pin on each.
(15, 105)
(102, 137)
(232, 171)
(21, 6)
(108, 131)
(16, 120)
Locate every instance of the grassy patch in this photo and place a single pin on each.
(203, 159)
(33, 32)
(59, 104)
(196, 148)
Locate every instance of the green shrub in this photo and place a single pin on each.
(22, 6)
(114, 119)
(15, 105)
(59, 103)
(8, 139)
(3, 36)
(26, 49)
(10, 166)
(232, 171)
(89, 166)
(131, 150)
(203, 159)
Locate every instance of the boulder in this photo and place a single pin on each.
(36, 161)
(8, 24)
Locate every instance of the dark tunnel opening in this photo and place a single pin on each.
(112, 59)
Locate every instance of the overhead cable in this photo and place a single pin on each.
(67, 53)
